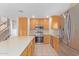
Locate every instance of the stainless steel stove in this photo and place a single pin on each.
(39, 34)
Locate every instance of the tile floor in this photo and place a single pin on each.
(44, 50)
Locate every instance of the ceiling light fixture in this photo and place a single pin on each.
(21, 12)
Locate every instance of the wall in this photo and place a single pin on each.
(14, 26)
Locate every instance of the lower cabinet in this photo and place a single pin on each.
(47, 39)
(33, 45)
(25, 52)
(51, 41)
(30, 49)
(56, 43)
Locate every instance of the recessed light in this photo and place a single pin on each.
(32, 16)
(21, 11)
(47, 17)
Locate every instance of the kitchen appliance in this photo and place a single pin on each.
(39, 34)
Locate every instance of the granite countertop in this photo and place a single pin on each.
(14, 46)
(45, 32)
(55, 33)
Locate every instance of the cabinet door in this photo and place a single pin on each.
(20, 26)
(39, 21)
(33, 23)
(30, 49)
(56, 43)
(25, 52)
(22, 23)
(46, 39)
(56, 22)
(51, 41)
(33, 45)
(44, 22)
(25, 27)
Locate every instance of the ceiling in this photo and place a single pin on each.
(33, 9)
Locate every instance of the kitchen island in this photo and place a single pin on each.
(15, 46)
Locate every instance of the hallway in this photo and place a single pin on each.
(44, 50)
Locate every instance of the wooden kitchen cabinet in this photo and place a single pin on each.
(25, 52)
(33, 45)
(39, 21)
(47, 39)
(51, 41)
(33, 23)
(56, 43)
(45, 23)
(22, 26)
(56, 21)
(29, 49)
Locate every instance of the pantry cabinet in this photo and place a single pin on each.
(22, 24)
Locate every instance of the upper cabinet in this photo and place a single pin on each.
(45, 23)
(22, 23)
(56, 22)
(39, 21)
(33, 23)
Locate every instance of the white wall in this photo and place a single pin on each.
(14, 30)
